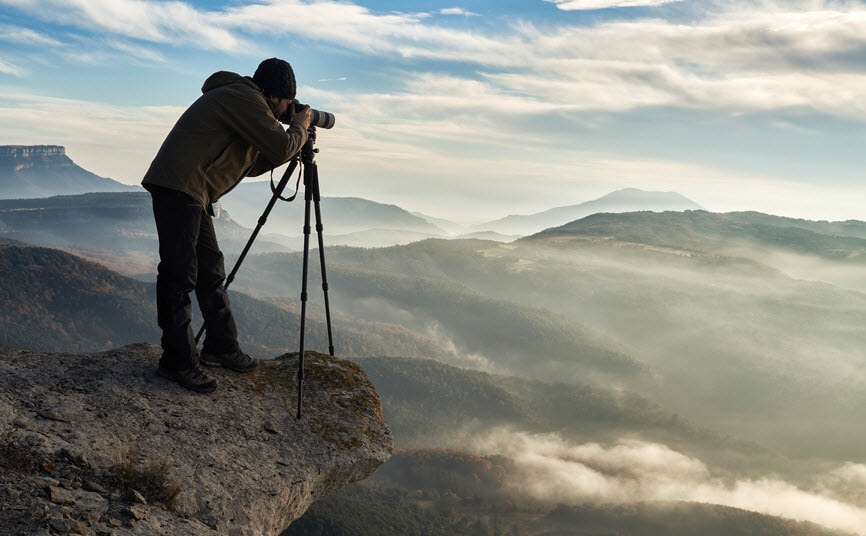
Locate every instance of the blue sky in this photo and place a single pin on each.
(479, 109)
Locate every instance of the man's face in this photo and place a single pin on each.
(281, 106)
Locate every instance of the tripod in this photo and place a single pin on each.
(311, 194)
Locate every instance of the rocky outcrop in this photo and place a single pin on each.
(30, 171)
(29, 154)
(99, 444)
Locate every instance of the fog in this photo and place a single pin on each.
(751, 344)
(759, 346)
(455, 356)
(552, 469)
(844, 273)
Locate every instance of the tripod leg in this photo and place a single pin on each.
(319, 229)
(308, 195)
(278, 191)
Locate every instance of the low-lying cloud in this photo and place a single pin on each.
(555, 469)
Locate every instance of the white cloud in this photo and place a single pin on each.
(26, 36)
(7, 67)
(771, 56)
(736, 57)
(749, 60)
(582, 5)
(136, 51)
(495, 95)
(554, 469)
(158, 22)
(113, 141)
(355, 27)
(457, 11)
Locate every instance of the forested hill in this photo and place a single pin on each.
(339, 214)
(53, 301)
(703, 231)
(118, 221)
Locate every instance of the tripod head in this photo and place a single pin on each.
(307, 154)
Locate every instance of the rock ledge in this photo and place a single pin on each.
(99, 444)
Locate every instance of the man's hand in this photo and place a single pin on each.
(302, 116)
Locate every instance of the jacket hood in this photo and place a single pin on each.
(225, 78)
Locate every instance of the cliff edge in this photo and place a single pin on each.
(99, 444)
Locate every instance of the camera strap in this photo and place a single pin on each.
(278, 194)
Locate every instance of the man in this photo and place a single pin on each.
(231, 131)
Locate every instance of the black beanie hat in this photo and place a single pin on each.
(275, 78)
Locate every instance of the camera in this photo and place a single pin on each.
(317, 118)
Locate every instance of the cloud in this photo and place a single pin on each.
(10, 68)
(26, 36)
(355, 27)
(580, 5)
(505, 88)
(97, 136)
(457, 11)
(743, 60)
(552, 468)
(734, 57)
(159, 22)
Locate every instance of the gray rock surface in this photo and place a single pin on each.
(99, 444)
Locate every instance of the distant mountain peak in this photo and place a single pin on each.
(638, 195)
(19, 157)
(36, 171)
(623, 200)
(25, 152)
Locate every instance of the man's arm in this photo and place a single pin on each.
(298, 136)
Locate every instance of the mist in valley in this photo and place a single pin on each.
(725, 341)
(554, 470)
(757, 343)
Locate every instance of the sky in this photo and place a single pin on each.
(472, 110)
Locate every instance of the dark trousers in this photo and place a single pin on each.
(189, 260)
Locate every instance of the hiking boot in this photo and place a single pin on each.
(193, 378)
(237, 361)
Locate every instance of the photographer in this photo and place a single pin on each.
(231, 131)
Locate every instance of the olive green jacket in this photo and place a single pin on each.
(227, 134)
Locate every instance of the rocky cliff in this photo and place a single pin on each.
(30, 171)
(99, 444)
(29, 155)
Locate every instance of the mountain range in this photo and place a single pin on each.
(365, 223)
(40, 171)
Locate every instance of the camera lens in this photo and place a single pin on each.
(321, 119)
